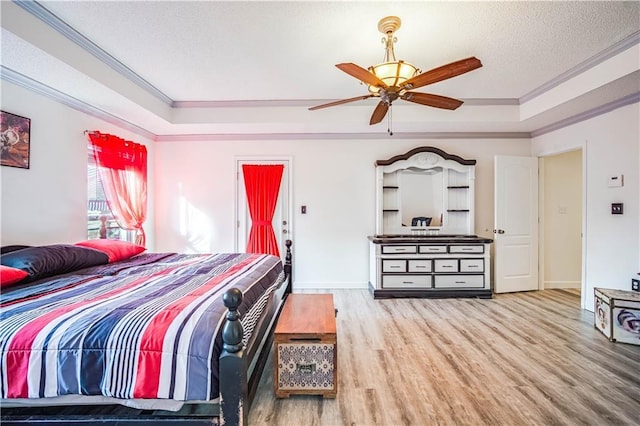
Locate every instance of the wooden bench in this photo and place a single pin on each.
(305, 347)
(617, 314)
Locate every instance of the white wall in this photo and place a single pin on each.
(47, 203)
(335, 179)
(612, 242)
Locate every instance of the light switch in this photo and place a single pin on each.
(303, 209)
(615, 181)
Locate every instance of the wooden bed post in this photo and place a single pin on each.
(235, 398)
(233, 374)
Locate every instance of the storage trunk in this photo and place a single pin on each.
(617, 314)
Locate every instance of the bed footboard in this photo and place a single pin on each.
(235, 395)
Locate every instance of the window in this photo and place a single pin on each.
(98, 209)
(122, 169)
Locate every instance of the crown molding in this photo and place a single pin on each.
(311, 102)
(58, 96)
(594, 112)
(608, 53)
(40, 88)
(341, 136)
(42, 13)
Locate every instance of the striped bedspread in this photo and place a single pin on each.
(145, 330)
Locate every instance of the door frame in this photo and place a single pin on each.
(583, 285)
(238, 160)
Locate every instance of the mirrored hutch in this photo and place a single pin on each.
(424, 244)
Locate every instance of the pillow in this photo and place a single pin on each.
(9, 275)
(46, 261)
(115, 249)
(9, 249)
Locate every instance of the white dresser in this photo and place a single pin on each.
(424, 244)
(442, 266)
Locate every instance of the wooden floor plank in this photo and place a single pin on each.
(518, 359)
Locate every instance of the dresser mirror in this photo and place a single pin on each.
(421, 197)
(425, 191)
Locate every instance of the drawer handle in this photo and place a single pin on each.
(394, 266)
(461, 282)
(467, 249)
(407, 282)
(419, 266)
(472, 266)
(306, 368)
(447, 266)
(433, 249)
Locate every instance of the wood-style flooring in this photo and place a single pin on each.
(530, 358)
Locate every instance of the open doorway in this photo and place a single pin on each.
(561, 221)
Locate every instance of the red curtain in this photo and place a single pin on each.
(122, 167)
(262, 184)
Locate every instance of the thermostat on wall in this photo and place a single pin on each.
(617, 180)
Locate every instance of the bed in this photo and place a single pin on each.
(103, 323)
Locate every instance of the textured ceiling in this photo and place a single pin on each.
(212, 51)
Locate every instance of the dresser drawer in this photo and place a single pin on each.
(406, 281)
(390, 265)
(466, 249)
(459, 281)
(398, 249)
(432, 249)
(446, 265)
(471, 265)
(420, 265)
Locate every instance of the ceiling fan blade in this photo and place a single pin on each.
(361, 74)
(442, 73)
(340, 102)
(379, 112)
(432, 100)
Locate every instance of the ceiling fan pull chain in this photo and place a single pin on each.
(389, 121)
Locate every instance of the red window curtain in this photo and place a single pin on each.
(262, 184)
(122, 167)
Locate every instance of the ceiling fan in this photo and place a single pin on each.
(395, 79)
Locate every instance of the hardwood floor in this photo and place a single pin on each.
(518, 359)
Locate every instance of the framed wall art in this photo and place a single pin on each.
(15, 143)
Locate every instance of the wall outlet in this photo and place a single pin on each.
(635, 284)
(616, 208)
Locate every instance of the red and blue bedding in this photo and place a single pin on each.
(146, 327)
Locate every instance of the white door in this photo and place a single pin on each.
(516, 224)
(281, 218)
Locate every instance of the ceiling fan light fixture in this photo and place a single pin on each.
(393, 74)
(393, 79)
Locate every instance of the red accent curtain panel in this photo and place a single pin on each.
(262, 185)
(122, 167)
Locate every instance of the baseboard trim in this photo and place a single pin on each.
(562, 284)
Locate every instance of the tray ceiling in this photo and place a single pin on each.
(254, 67)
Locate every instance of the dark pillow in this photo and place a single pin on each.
(9, 249)
(115, 249)
(46, 261)
(9, 276)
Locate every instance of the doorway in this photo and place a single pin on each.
(282, 215)
(561, 221)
